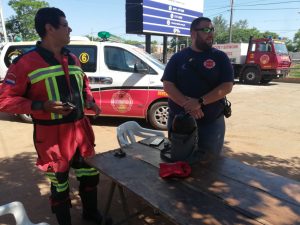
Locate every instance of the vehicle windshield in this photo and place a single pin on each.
(151, 58)
(280, 48)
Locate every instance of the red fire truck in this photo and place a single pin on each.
(258, 61)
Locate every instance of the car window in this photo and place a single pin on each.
(281, 48)
(15, 51)
(87, 55)
(115, 59)
(252, 47)
(151, 58)
(264, 47)
(122, 60)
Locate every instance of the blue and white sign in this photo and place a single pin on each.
(172, 17)
(162, 17)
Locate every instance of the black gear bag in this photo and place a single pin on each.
(183, 140)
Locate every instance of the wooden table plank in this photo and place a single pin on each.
(265, 196)
(277, 185)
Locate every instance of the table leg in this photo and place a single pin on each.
(124, 204)
(108, 204)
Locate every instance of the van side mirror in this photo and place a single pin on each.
(140, 68)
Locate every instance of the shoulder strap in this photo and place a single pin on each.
(65, 66)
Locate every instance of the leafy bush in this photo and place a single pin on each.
(295, 70)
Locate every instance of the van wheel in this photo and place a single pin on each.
(251, 76)
(158, 115)
(25, 118)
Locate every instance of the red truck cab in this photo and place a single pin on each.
(258, 61)
(266, 59)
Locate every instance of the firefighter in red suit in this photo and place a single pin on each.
(48, 83)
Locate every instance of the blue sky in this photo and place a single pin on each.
(91, 16)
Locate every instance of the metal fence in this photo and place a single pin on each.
(295, 69)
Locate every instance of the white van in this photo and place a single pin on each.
(125, 80)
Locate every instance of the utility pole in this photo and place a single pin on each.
(230, 25)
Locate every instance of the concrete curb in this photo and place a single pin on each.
(288, 80)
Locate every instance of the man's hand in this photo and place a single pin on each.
(191, 104)
(94, 107)
(57, 107)
(193, 107)
(197, 114)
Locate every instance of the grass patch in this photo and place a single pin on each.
(295, 71)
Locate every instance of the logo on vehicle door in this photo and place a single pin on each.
(121, 101)
(264, 59)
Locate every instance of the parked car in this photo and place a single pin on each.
(125, 80)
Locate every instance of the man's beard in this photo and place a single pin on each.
(203, 46)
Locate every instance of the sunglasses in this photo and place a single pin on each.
(206, 30)
(64, 24)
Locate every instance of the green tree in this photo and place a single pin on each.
(297, 40)
(132, 42)
(242, 35)
(241, 32)
(290, 45)
(267, 34)
(221, 30)
(23, 22)
(241, 24)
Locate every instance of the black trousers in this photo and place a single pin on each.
(87, 176)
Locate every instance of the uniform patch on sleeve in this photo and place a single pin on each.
(10, 79)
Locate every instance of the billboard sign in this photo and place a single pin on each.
(171, 17)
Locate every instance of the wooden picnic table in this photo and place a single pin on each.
(226, 192)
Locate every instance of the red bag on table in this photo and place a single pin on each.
(176, 169)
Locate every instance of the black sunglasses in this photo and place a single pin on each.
(64, 24)
(206, 29)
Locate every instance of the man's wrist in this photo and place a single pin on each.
(183, 102)
(201, 101)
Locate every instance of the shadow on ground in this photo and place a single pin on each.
(21, 181)
(289, 168)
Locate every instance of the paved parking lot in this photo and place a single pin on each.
(264, 131)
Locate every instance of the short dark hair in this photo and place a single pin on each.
(198, 20)
(50, 15)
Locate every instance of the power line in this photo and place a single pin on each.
(271, 3)
(267, 9)
(215, 14)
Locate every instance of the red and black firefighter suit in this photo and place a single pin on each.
(61, 142)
